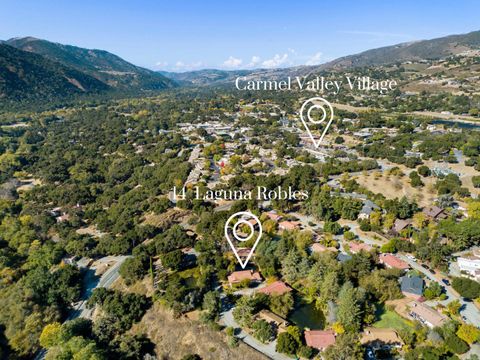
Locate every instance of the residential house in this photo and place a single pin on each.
(56, 211)
(425, 314)
(273, 216)
(470, 263)
(274, 319)
(401, 225)
(356, 247)
(319, 339)
(367, 209)
(62, 218)
(377, 338)
(343, 257)
(317, 247)
(289, 225)
(391, 261)
(412, 286)
(239, 276)
(276, 288)
(434, 213)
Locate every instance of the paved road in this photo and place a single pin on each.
(469, 310)
(106, 281)
(268, 350)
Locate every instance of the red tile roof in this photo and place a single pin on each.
(392, 261)
(316, 247)
(276, 288)
(289, 225)
(238, 276)
(356, 247)
(273, 216)
(319, 339)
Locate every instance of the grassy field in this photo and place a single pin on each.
(390, 319)
(175, 338)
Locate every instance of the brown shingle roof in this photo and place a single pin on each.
(426, 313)
(400, 225)
(433, 212)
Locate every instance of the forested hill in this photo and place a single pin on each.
(100, 64)
(28, 77)
(433, 49)
(423, 50)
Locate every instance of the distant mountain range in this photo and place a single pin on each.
(35, 70)
(413, 51)
(433, 49)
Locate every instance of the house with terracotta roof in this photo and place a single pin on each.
(393, 262)
(273, 216)
(319, 339)
(239, 276)
(356, 247)
(381, 338)
(289, 225)
(434, 213)
(319, 248)
(276, 288)
(412, 286)
(425, 314)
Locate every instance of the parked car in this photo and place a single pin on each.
(425, 266)
(411, 257)
(370, 355)
(446, 282)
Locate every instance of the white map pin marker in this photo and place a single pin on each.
(316, 103)
(244, 217)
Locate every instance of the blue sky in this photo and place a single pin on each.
(185, 35)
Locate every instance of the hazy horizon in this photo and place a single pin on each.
(215, 35)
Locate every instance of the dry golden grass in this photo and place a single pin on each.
(166, 219)
(393, 186)
(175, 338)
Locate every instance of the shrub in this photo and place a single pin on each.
(467, 288)
(456, 345)
(286, 344)
(262, 331)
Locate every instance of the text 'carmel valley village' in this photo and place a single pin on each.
(318, 84)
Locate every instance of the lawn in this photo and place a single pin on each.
(390, 319)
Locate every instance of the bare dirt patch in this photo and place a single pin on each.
(143, 287)
(166, 219)
(175, 338)
(90, 230)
